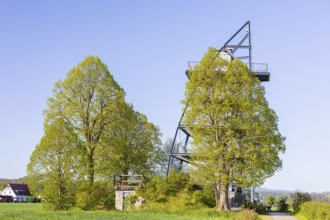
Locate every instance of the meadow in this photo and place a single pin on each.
(31, 211)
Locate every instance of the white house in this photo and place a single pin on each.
(18, 192)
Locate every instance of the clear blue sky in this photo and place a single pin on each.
(146, 45)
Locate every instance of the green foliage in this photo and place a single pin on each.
(247, 215)
(87, 99)
(173, 203)
(101, 197)
(110, 137)
(34, 211)
(298, 198)
(197, 197)
(178, 191)
(132, 144)
(130, 202)
(204, 197)
(270, 200)
(236, 137)
(248, 205)
(315, 210)
(261, 209)
(155, 190)
(177, 182)
(50, 171)
(281, 204)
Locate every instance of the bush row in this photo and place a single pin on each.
(315, 210)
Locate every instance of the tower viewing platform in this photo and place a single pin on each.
(260, 69)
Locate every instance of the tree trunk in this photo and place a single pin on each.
(125, 165)
(217, 195)
(222, 197)
(91, 168)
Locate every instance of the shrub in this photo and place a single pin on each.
(101, 197)
(247, 215)
(197, 197)
(261, 209)
(270, 200)
(315, 210)
(177, 181)
(248, 205)
(281, 204)
(203, 197)
(53, 201)
(178, 190)
(130, 201)
(155, 190)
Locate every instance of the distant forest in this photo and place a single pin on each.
(4, 182)
(317, 197)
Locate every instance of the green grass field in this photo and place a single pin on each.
(30, 211)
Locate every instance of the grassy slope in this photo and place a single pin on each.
(30, 211)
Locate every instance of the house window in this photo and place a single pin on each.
(4, 192)
(9, 192)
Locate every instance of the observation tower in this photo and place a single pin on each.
(237, 47)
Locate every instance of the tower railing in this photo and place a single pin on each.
(259, 67)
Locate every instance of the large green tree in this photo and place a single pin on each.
(50, 170)
(88, 100)
(298, 198)
(235, 133)
(270, 200)
(113, 136)
(132, 144)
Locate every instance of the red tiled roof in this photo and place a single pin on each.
(21, 187)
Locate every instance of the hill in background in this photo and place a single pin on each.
(4, 182)
(264, 192)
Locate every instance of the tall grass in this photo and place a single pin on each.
(14, 211)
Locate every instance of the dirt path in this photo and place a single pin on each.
(282, 216)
